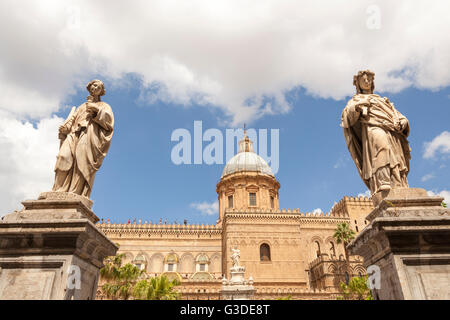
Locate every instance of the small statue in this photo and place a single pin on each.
(235, 255)
(376, 136)
(85, 139)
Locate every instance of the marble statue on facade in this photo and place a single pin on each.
(376, 136)
(85, 139)
(235, 255)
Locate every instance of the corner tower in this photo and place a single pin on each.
(247, 182)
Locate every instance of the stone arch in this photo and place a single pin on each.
(332, 268)
(216, 263)
(127, 257)
(331, 248)
(359, 269)
(187, 263)
(316, 238)
(156, 264)
(316, 247)
(264, 252)
(141, 259)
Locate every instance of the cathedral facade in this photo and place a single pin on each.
(285, 252)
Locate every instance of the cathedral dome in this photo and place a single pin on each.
(247, 160)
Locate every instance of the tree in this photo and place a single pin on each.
(356, 289)
(343, 234)
(120, 280)
(157, 288)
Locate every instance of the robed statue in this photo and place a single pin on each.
(376, 136)
(235, 255)
(85, 139)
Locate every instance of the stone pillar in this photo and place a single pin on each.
(408, 238)
(52, 250)
(237, 288)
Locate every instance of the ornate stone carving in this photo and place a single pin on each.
(85, 139)
(376, 136)
(235, 255)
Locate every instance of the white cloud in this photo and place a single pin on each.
(365, 194)
(317, 211)
(444, 193)
(27, 160)
(237, 56)
(427, 177)
(441, 144)
(206, 208)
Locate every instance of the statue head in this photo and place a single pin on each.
(96, 88)
(364, 82)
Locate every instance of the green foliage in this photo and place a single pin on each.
(444, 204)
(120, 279)
(356, 289)
(157, 288)
(125, 282)
(343, 233)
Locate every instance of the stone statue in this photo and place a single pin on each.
(376, 136)
(235, 255)
(85, 139)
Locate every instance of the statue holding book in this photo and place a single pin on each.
(85, 139)
(376, 136)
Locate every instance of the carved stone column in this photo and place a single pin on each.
(52, 249)
(408, 238)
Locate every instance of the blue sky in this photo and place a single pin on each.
(284, 65)
(139, 181)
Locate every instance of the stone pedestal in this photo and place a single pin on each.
(408, 238)
(52, 249)
(237, 288)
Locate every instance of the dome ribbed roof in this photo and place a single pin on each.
(247, 160)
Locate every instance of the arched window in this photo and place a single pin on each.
(170, 262)
(264, 252)
(202, 262)
(252, 199)
(317, 245)
(140, 262)
(230, 202)
(332, 249)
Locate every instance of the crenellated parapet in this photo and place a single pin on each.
(283, 215)
(341, 208)
(133, 229)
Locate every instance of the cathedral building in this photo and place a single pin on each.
(286, 252)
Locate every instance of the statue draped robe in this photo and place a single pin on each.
(377, 142)
(82, 151)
